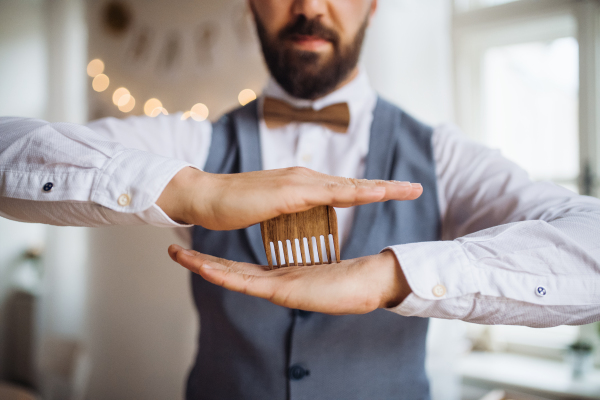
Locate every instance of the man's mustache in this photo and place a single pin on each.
(309, 27)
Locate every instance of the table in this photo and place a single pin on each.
(528, 375)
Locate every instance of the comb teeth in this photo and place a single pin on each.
(291, 256)
(297, 230)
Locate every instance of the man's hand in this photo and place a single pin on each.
(350, 287)
(234, 201)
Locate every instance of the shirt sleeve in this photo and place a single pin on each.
(513, 251)
(110, 172)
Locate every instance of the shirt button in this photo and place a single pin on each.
(439, 290)
(297, 372)
(124, 200)
(48, 186)
(540, 291)
(307, 158)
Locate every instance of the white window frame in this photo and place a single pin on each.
(521, 21)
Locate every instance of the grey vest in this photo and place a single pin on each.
(252, 349)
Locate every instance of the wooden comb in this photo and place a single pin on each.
(316, 222)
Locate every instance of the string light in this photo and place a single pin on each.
(128, 106)
(199, 112)
(100, 83)
(95, 68)
(121, 96)
(123, 99)
(159, 110)
(151, 105)
(246, 96)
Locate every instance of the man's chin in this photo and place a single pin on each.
(310, 60)
(319, 56)
(312, 69)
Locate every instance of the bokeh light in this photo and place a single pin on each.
(100, 83)
(157, 111)
(129, 105)
(95, 68)
(246, 96)
(186, 115)
(199, 112)
(150, 105)
(121, 97)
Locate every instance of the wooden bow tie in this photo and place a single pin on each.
(278, 113)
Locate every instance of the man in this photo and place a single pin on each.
(530, 257)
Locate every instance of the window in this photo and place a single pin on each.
(527, 76)
(530, 106)
(527, 80)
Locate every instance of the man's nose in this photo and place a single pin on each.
(309, 8)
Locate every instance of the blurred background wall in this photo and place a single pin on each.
(109, 300)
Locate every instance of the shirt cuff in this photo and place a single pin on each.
(147, 176)
(155, 216)
(436, 271)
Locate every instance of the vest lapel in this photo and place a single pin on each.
(245, 122)
(386, 119)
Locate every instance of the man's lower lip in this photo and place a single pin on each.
(310, 43)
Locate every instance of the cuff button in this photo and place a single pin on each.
(48, 186)
(439, 290)
(540, 291)
(124, 200)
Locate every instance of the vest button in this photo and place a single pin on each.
(296, 372)
(302, 313)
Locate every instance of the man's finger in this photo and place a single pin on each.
(317, 188)
(175, 248)
(239, 277)
(393, 191)
(194, 261)
(357, 192)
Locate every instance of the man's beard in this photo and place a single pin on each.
(302, 73)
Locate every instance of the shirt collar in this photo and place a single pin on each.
(358, 93)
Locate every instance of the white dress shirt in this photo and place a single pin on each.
(513, 251)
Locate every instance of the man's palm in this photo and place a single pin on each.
(355, 286)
